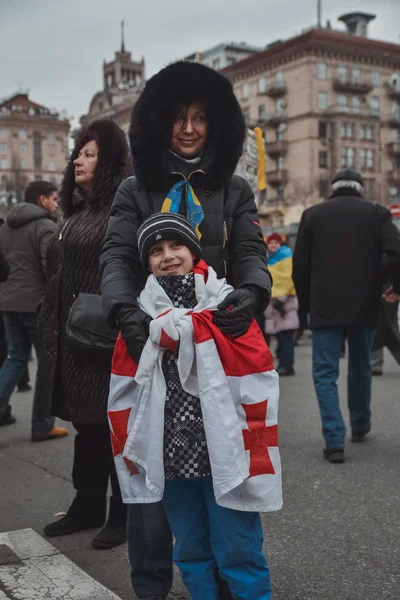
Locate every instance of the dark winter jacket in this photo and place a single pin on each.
(232, 239)
(337, 264)
(74, 386)
(24, 239)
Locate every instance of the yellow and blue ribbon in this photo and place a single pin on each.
(194, 210)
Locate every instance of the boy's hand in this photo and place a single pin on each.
(134, 326)
(235, 322)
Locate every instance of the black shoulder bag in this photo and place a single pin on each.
(87, 329)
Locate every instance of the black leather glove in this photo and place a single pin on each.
(279, 306)
(235, 322)
(134, 325)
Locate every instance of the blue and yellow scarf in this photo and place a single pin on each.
(194, 210)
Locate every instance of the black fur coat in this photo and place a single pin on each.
(71, 386)
(232, 240)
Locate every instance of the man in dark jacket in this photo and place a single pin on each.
(23, 239)
(187, 133)
(337, 270)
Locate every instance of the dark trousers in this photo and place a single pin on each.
(93, 464)
(285, 349)
(150, 552)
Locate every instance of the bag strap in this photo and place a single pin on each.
(64, 262)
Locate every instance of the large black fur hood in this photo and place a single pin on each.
(184, 83)
(113, 166)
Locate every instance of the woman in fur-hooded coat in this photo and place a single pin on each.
(75, 385)
(229, 231)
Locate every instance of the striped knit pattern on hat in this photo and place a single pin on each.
(166, 226)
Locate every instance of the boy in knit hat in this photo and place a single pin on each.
(208, 534)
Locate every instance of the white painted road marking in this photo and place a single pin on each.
(42, 573)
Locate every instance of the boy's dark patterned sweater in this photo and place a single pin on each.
(185, 447)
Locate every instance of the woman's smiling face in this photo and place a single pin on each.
(189, 130)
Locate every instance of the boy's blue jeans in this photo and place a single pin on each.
(210, 536)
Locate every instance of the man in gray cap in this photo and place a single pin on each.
(337, 270)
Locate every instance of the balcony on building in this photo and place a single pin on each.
(277, 148)
(394, 119)
(394, 176)
(275, 90)
(341, 84)
(394, 148)
(277, 177)
(274, 119)
(393, 90)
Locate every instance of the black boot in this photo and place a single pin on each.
(114, 531)
(85, 512)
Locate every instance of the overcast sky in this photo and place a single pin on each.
(55, 48)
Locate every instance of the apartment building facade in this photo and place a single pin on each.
(33, 146)
(223, 55)
(325, 100)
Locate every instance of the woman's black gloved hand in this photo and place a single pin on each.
(134, 325)
(235, 322)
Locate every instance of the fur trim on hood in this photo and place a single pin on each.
(184, 83)
(113, 166)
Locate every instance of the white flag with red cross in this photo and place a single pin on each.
(238, 390)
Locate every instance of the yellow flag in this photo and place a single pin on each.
(262, 181)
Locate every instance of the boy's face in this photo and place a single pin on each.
(170, 257)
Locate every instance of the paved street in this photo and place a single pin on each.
(337, 537)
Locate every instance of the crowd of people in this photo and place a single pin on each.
(167, 237)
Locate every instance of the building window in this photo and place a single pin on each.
(356, 76)
(322, 100)
(322, 130)
(52, 150)
(341, 73)
(323, 188)
(280, 163)
(321, 70)
(356, 103)
(347, 157)
(370, 158)
(375, 106)
(396, 109)
(3, 148)
(370, 132)
(395, 163)
(245, 91)
(3, 163)
(395, 135)
(369, 189)
(3, 134)
(38, 178)
(230, 60)
(23, 164)
(363, 161)
(279, 78)
(22, 134)
(280, 132)
(261, 112)
(51, 137)
(216, 63)
(280, 106)
(323, 159)
(262, 85)
(52, 166)
(23, 148)
(375, 78)
(347, 130)
(342, 100)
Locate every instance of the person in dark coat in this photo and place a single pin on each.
(337, 273)
(76, 385)
(187, 133)
(387, 332)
